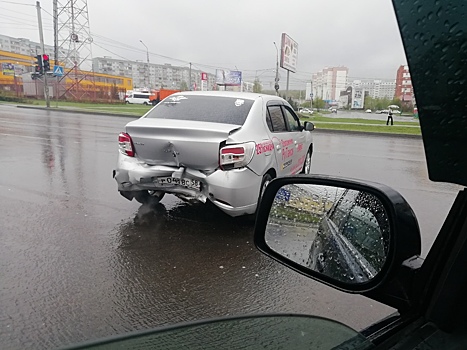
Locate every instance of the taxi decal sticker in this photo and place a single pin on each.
(264, 147)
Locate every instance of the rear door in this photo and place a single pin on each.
(299, 140)
(281, 137)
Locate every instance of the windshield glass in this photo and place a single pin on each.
(257, 332)
(225, 110)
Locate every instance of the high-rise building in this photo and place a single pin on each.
(160, 75)
(328, 83)
(404, 88)
(376, 88)
(24, 46)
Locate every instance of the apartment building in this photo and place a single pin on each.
(376, 88)
(27, 47)
(152, 75)
(328, 83)
(404, 88)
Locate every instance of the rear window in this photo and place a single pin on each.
(225, 110)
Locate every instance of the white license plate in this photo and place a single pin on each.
(189, 183)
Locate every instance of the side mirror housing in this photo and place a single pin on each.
(309, 126)
(354, 236)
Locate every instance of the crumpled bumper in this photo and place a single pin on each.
(235, 191)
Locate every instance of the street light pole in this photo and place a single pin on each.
(276, 85)
(147, 56)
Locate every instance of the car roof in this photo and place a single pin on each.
(232, 94)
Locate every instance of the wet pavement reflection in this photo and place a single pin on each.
(80, 262)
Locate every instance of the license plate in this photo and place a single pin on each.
(189, 183)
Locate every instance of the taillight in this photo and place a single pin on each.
(236, 156)
(125, 144)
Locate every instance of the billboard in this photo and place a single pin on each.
(289, 53)
(228, 77)
(8, 69)
(358, 98)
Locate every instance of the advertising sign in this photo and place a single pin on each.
(228, 77)
(204, 76)
(358, 98)
(8, 69)
(289, 53)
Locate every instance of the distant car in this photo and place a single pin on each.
(138, 98)
(385, 111)
(378, 111)
(396, 111)
(220, 146)
(368, 111)
(332, 109)
(306, 111)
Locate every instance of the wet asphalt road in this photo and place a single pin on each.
(79, 262)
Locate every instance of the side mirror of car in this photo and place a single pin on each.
(351, 235)
(309, 126)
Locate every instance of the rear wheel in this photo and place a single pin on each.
(267, 178)
(307, 164)
(149, 197)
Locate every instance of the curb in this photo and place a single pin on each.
(64, 110)
(318, 130)
(367, 133)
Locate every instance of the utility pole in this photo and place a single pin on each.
(41, 36)
(276, 85)
(189, 79)
(55, 7)
(147, 59)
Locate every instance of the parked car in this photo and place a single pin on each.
(306, 111)
(368, 111)
(224, 147)
(138, 98)
(396, 111)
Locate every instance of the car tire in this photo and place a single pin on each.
(307, 164)
(149, 197)
(267, 178)
(145, 103)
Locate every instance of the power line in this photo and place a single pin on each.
(16, 3)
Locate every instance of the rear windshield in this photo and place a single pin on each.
(214, 109)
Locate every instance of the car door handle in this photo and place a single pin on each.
(278, 147)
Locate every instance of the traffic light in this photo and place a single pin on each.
(39, 68)
(46, 62)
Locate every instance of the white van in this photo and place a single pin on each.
(138, 98)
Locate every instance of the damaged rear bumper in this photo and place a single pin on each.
(235, 191)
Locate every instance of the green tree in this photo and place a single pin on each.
(257, 87)
(183, 86)
(318, 103)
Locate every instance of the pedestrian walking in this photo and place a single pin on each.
(390, 118)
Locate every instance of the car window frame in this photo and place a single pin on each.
(283, 118)
(294, 116)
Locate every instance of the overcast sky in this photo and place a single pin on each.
(234, 34)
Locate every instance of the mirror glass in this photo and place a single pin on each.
(339, 232)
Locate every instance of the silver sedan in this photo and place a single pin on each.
(220, 146)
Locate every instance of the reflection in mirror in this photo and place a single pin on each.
(338, 232)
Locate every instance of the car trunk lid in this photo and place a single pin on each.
(190, 144)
